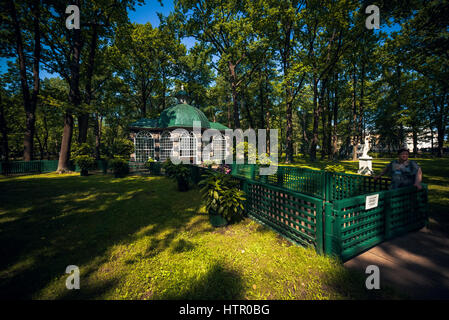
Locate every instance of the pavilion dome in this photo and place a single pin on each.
(182, 115)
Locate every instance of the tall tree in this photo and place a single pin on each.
(22, 45)
(225, 27)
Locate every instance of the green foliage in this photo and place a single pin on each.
(83, 149)
(178, 172)
(122, 148)
(119, 166)
(83, 157)
(222, 196)
(168, 167)
(85, 162)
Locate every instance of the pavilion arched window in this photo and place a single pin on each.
(187, 145)
(144, 146)
(219, 147)
(166, 146)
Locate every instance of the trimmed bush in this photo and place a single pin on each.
(119, 166)
(85, 163)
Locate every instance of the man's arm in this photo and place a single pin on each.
(382, 173)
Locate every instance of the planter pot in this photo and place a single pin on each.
(120, 174)
(155, 168)
(217, 220)
(183, 185)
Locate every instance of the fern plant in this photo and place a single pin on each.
(222, 196)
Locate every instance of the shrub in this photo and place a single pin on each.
(85, 163)
(83, 158)
(168, 167)
(122, 148)
(83, 149)
(223, 197)
(119, 166)
(149, 163)
(178, 172)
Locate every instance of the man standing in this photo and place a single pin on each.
(403, 172)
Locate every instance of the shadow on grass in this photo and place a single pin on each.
(219, 283)
(50, 222)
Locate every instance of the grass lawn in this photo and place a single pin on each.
(139, 238)
(435, 174)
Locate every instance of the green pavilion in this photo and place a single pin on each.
(158, 138)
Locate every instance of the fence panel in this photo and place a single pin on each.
(350, 228)
(43, 166)
(303, 180)
(343, 185)
(294, 215)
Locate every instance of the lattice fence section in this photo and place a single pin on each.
(354, 229)
(407, 210)
(293, 215)
(306, 181)
(342, 185)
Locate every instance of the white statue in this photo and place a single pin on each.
(365, 161)
(366, 148)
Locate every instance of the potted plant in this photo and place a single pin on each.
(83, 158)
(86, 163)
(152, 166)
(178, 172)
(119, 166)
(223, 198)
(181, 174)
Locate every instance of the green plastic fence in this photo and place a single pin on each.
(292, 214)
(350, 228)
(41, 166)
(337, 201)
(324, 185)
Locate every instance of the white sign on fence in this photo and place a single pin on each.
(371, 201)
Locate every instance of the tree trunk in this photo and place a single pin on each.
(64, 154)
(415, 142)
(233, 83)
(83, 119)
(248, 113)
(335, 126)
(97, 129)
(268, 131)
(440, 139)
(74, 99)
(355, 141)
(29, 102)
(83, 124)
(4, 132)
(316, 114)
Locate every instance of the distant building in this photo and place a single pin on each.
(424, 141)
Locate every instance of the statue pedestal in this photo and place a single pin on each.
(365, 165)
